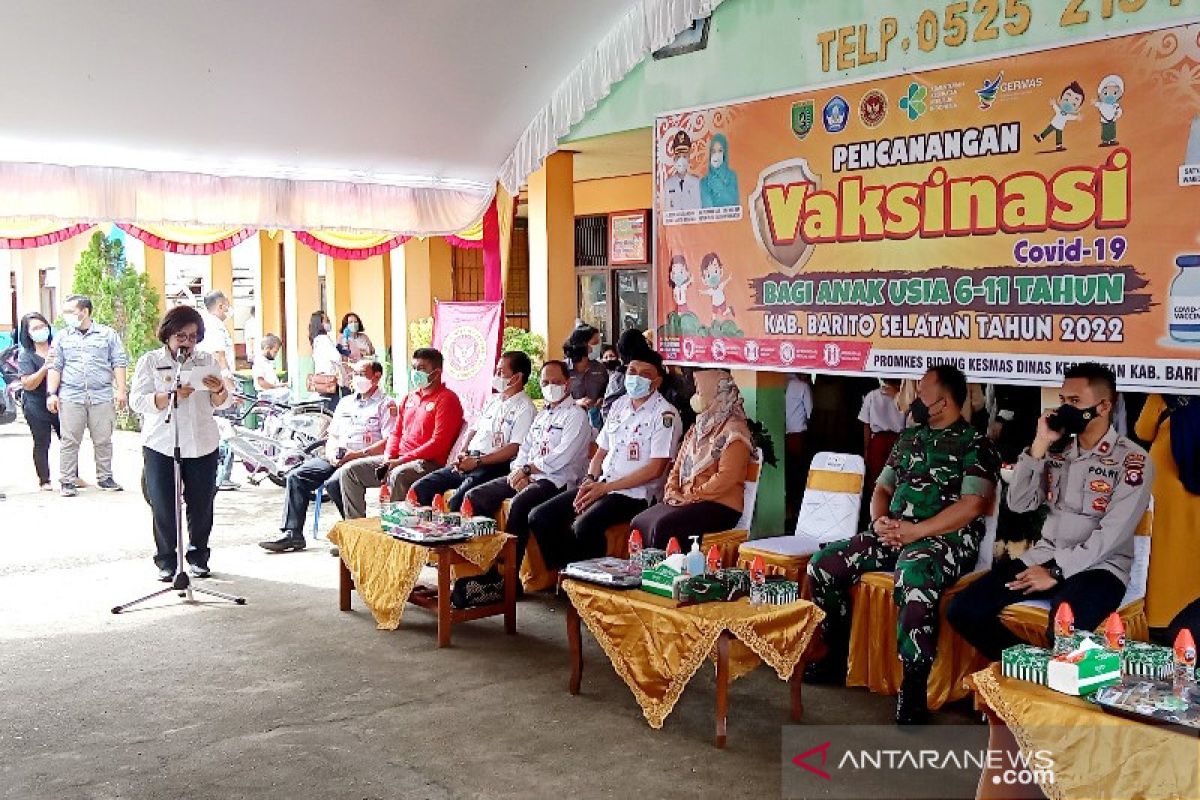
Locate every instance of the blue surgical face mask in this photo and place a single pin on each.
(40, 335)
(420, 379)
(713, 279)
(637, 386)
(1108, 99)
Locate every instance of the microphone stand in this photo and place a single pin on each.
(182, 582)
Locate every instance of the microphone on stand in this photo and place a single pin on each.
(182, 354)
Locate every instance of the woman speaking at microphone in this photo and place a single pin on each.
(190, 413)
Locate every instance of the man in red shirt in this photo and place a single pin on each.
(430, 420)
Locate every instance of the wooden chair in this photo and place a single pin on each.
(874, 661)
(1030, 619)
(829, 511)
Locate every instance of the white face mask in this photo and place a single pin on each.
(554, 392)
(681, 165)
(72, 319)
(499, 384)
(717, 160)
(361, 384)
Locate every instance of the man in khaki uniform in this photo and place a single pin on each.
(1097, 488)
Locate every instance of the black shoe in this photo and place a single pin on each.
(335, 552)
(199, 570)
(165, 575)
(912, 705)
(109, 485)
(68, 489)
(288, 542)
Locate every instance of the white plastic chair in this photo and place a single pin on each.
(825, 515)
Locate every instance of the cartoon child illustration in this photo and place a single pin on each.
(715, 281)
(1066, 109)
(1111, 90)
(680, 279)
(683, 188)
(719, 187)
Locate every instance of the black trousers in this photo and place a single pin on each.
(975, 613)
(564, 537)
(443, 480)
(302, 482)
(41, 424)
(199, 490)
(661, 522)
(487, 499)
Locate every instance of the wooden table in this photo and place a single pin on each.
(438, 599)
(722, 652)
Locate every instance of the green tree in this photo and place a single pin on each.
(121, 296)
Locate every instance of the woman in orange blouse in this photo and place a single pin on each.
(704, 491)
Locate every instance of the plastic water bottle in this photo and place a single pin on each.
(1064, 627)
(695, 559)
(1185, 663)
(714, 560)
(758, 579)
(635, 547)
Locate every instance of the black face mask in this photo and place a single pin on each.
(612, 363)
(1071, 420)
(920, 412)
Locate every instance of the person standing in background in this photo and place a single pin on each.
(798, 407)
(218, 343)
(88, 368)
(589, 378)
(35, 338)
(882, 424)
(326, 378)
(353, 341)
(1170, 424)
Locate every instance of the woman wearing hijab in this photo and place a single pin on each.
(720, 186)
(1170, 425)
(704, 491)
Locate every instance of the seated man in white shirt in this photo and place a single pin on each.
(626, 474)
(493, 439)
(358, 430)
(264, 373)
(552, 458)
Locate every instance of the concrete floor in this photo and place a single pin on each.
(288, 697)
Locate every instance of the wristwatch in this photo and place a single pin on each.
(1055, 572)
(527, 470)
(591, 477)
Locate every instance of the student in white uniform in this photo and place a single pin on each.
(625, 476)
(552, 458)
(494, 438)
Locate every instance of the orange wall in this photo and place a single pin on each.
(614, 194)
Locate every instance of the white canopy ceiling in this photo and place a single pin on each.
(361, 114)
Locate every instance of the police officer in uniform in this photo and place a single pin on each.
(552, 458)
(927, 521)
(683, 188)
(626, 474)
(1097, 488)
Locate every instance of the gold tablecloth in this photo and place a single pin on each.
(1095, 754)
(386, 569)
(656, 647)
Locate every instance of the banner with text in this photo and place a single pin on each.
(1012, 216)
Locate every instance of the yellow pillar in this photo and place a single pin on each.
(552, 300)
(222, 274)
(429, 275)
(302, 298)
(366, 285)
(29, 287)
(269, 306)
(156, 272)
(7, 321)
(340, 296)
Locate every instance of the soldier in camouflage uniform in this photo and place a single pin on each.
(927, 521)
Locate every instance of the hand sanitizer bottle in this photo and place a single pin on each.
(695, 559)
